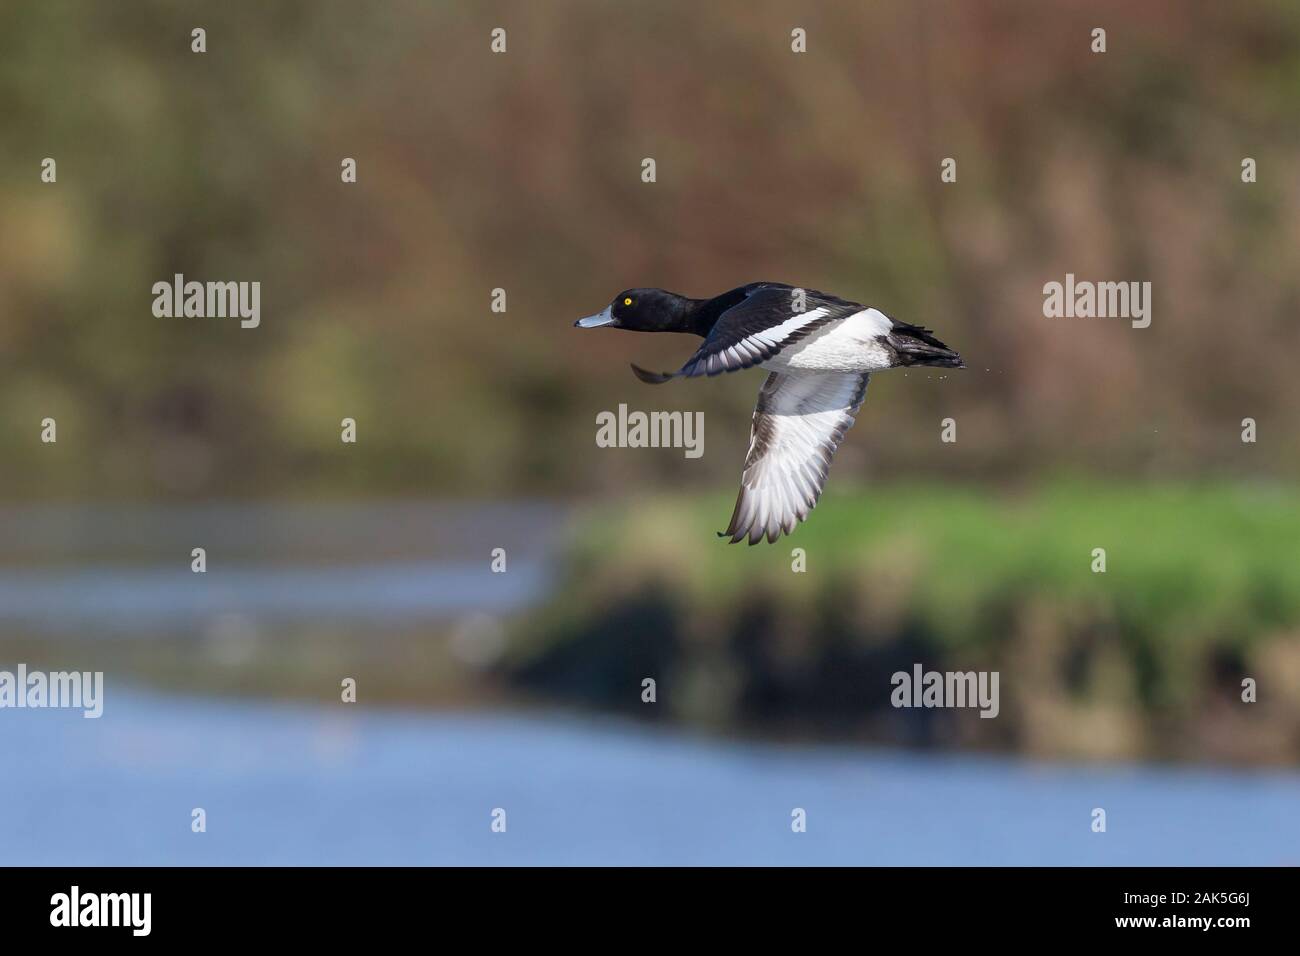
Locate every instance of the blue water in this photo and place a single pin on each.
(93, 571)
(102, 601)
(343, 785)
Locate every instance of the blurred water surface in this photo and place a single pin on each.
(353, 784)
(113, 600)
(288, 784)
(95, 570)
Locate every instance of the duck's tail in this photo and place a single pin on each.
(917, 346)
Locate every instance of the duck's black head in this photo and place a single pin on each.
(646, 310)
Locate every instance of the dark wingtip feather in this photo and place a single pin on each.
(651, 378)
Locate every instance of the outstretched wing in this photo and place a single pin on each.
(766, 319)
(799, 421)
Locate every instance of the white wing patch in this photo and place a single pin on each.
(799, 421)
(855, 343)
(753, 348)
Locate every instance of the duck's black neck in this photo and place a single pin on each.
(695, 318)
(679, 313)
(703, 313)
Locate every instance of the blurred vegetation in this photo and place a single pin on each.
(1201, 590)
(521, 171)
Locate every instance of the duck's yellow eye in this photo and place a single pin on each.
(627, 301)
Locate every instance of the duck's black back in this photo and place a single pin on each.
(765, 304)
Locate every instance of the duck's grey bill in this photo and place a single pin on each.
(597, 320)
